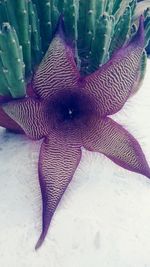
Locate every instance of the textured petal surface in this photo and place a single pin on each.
(108, 137)
(5, 120)
(112, 84)
(58, 161)
(8, 123)
(28, 113)
(57, 71)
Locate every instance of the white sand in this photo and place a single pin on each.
(104, 216)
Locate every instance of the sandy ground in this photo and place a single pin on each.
(104, 216)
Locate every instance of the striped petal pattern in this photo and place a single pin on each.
(28, 113)
(108, 137)
(68, 121)
(8, 123)
(58, 70)
(59, 158)
(113, 83)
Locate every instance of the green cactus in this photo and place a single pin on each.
(147, 27)
(143, 7)
(143, 66)
(86, 29)
(103, 32)
(3, 81)
(69, 12)
(21, 14)
(13, 77)
(96, 28)
(44, 13)
(36, 49)
(121, 30)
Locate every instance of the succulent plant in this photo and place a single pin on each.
(95, 29)
(69, 111)
(96, 60)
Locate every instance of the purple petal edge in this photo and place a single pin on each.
(57, 164)
(146, 172)
(112, 84)
(111, 139)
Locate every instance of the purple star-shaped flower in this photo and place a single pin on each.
(70, 111)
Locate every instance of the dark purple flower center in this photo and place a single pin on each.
(70, 107)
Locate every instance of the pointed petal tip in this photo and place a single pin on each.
(141, 24)
(60, 28)
(147, 173)
(139, 37)
(38, 245)
(61, 32)
(141, 19)
(146, 169)
(40, 240)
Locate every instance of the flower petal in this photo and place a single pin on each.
(58, 161)
(28, 113)
(141, 7)
(58, 69)
(112, 84)
(8, 123)
(108, 137)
